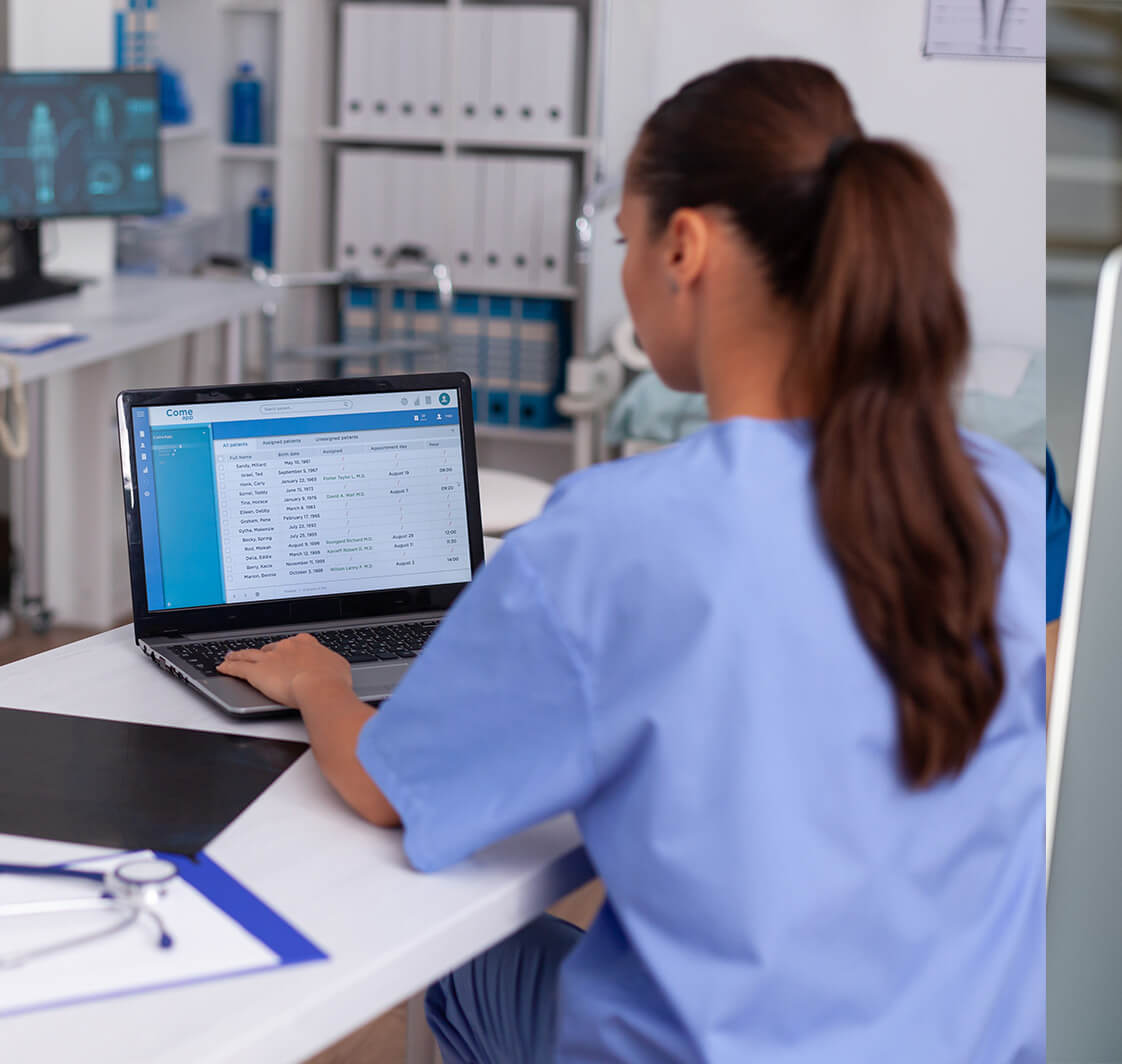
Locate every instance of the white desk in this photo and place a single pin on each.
(388, 930)
(119, 315)
(123, 314)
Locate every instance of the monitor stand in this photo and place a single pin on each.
(27, 282)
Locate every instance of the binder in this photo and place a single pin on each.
(405, 21)
(429, 30)
(546, 84)
(556, 223)
(523, 206)
(498, 245)
(499, 357)
(538, 355)
(377, 196)
(465, 258)
(529, 122)
(417, 194)
(353, 98)
(558, 79)
(350, 223)
(473, 63)
(428, 206)
(402, 223)
(381, 64)
(467, 339)
(419, 34)
(503, 72)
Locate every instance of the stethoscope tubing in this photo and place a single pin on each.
(132, 902)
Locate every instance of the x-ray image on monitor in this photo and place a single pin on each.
(74, 144)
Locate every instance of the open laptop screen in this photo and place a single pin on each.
(292, 498)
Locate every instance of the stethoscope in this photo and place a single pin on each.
(133, 889)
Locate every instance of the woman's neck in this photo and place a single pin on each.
(742, 372)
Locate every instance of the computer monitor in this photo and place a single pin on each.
(73, 145)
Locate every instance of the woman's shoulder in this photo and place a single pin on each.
(713, 450)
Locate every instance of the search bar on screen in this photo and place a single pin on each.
(331, 405)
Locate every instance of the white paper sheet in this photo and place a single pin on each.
(1002, 29)
(207, 942)
(29, 336)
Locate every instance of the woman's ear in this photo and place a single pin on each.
(687, 245)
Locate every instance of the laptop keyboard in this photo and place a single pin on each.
(382, 642)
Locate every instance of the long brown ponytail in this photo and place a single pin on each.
(857, 234)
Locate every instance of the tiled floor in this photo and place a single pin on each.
(383, 1040)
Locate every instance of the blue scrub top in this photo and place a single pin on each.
(1059, 532)
(668, 651)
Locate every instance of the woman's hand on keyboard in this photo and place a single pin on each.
(282, 670)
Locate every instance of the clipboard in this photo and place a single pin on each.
(221, 930)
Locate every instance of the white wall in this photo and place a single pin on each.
(981, 123)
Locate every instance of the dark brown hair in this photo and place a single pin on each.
(857, 235)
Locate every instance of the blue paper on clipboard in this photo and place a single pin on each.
(219, 929)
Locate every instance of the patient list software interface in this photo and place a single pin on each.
(278, 499)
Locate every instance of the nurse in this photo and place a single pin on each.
(788, 674)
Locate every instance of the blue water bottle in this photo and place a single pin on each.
(261, 229)
(245, 107)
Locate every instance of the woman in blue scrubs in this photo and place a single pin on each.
(788, 673)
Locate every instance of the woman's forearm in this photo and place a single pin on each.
(334, 716)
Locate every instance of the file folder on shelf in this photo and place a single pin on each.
(558, 71)
(496, 221)
(428, 228)
(350, 223)
(473, 65)
(427, 29)
(529, 116)
(354, 101)
(556, 221)
(547, 41)
(502, 78)
(383, 48)
(523, 207)
(465, 257)
(419, 92)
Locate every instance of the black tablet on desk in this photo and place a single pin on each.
(132, 786)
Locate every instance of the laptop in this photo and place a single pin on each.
(345, 508)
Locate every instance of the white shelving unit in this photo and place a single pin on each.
(250, 152)
(185, 132)
(543, 452)
(251, 7)
(294, 44)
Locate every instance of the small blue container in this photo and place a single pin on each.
(261, 229)
(245, 107)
